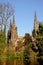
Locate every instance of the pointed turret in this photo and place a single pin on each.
(35, 22)
(14, 34)
(13, 31)
(34, 33)
(10, 22)
(13, 20)
(35, 17)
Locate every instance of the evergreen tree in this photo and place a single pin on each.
(2, 40)
(27, 38)
(38, 47)
(27, 44)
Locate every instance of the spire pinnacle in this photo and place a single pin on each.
(13, 19)
(35, 17)
(10, 22)
(35, 22)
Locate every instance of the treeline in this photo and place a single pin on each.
(33, 53)
(6, 11)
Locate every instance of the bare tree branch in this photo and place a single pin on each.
(6, 11)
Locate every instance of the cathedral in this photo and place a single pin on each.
(12, 32)
(35, 22)
(12, 35)
(36, 27)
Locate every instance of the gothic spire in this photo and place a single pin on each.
(35, 17)
(13, 19)
(35, 22)
(10, 22)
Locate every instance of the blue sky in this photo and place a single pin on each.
(24, 14)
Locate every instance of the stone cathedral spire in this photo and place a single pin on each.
(35, 17)
(14, 35)
(34, 33)
(35, 22)
(13, 31)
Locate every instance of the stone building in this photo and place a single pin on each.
(13, 35)
(35, 22)
(12, 32)
(35, 29)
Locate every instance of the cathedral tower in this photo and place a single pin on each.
(13, 31)
(34, 33)
(35, 22)
(14, 34)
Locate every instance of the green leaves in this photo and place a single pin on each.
(2, 41)
(27, 38)
(41, 28)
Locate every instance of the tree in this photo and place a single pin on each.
(2, 9)
(2, 42)
(41, 28)
(9, 11)
(40, 39)
(40, 43)
(27, 44)
(26, 56)
(27, 38)
(6, 11)
(38, 47)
